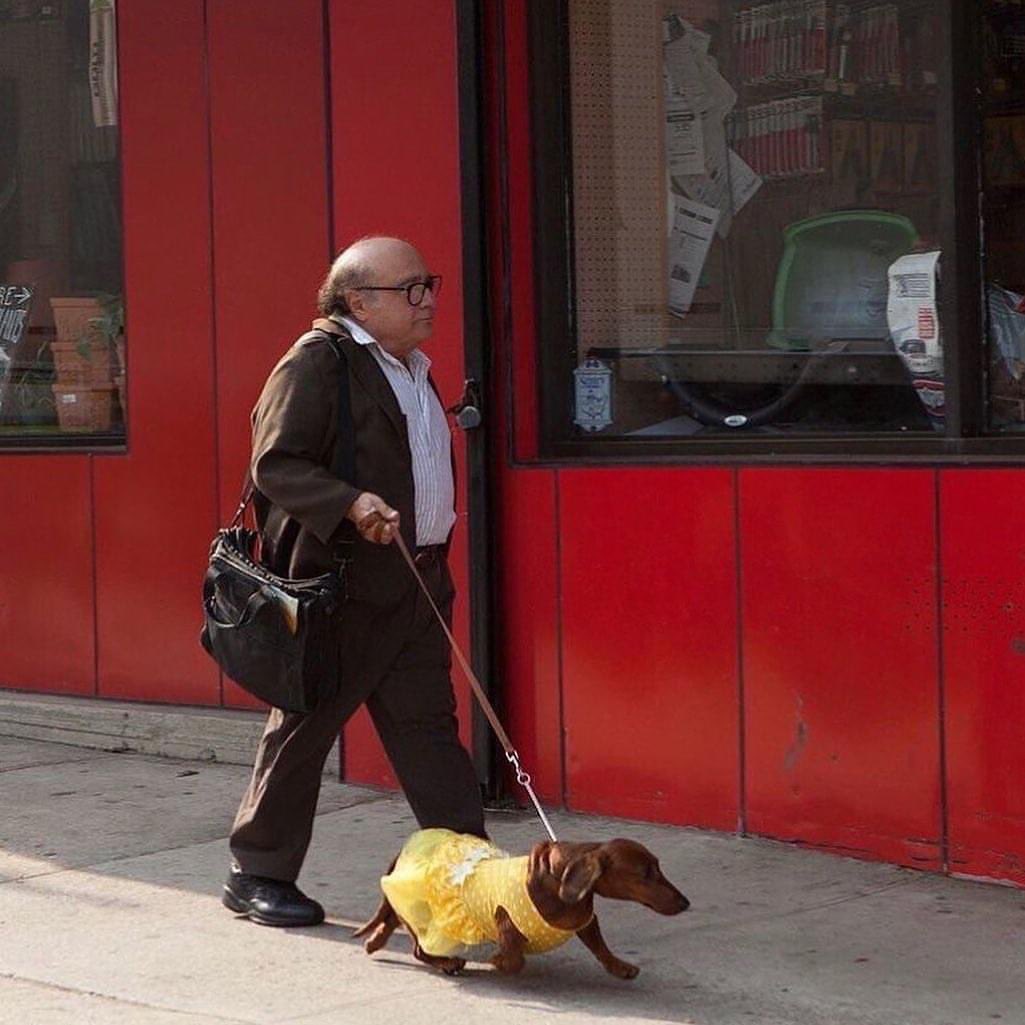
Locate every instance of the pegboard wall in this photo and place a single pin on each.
(619, 186)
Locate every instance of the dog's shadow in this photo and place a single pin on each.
(561, 981)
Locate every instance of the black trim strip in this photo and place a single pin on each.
(476, 358)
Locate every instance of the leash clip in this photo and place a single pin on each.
(523, 778)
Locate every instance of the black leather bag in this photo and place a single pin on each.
(277, 637)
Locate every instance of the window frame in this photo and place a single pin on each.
(85, 442)
(962, 310)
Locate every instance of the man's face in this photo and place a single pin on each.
(397, 325)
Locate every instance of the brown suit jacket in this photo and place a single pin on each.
(301, 504)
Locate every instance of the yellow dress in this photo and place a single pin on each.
(446, 886)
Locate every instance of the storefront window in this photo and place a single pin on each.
(755, 236)
(1003, 167)
(62, 354)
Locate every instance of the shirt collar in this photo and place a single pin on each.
(362, 336)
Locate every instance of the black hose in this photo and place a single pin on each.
(719, 414)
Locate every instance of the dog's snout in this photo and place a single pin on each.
(675, 904)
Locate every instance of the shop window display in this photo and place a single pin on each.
(755, 234)
(62, 351)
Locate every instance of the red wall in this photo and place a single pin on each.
(859, 690)
(242, 174)
(982, 518)
(395, 136)
(829, 656)
(839, 647)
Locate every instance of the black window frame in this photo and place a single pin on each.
(959, 128)
(83, 442)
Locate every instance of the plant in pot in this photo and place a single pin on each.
(83, 356)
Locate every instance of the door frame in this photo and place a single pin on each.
(478, 367)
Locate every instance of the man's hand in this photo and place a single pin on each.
(375, 520)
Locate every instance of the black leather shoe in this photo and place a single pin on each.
(270, 901)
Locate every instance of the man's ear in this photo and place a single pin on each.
(580, 876)
(357, 303)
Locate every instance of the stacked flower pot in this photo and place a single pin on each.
(84, 366)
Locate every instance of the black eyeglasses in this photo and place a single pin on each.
(414, 293)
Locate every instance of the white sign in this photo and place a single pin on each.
(685, 142)
(693, 230)
(592, 382)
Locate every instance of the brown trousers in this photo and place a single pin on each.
(398, 662)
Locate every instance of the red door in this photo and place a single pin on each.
(398, 169)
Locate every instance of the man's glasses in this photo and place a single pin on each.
(414, 293)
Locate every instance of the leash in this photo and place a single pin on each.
(522, 777)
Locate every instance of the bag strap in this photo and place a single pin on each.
(343, 465)
(511, 755)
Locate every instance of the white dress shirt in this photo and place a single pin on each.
(430, 441)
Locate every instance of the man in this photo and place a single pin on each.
(378, 303)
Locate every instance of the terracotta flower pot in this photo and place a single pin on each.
(81, 363)
(84, 408)
(82, 354)
(73, 316)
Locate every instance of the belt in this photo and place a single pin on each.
(428, 553)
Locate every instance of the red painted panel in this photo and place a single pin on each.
(840, 660)
(47, 629)
(271, 229)
(155, 507)
(649, 642)
(510, 170)
(395, 144)
(982, 530)
(526, 623)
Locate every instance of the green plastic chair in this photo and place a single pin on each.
(832, 280)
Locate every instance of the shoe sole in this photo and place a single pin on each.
(241, 907)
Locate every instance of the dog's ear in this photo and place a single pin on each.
(540, 858)
(580, 875)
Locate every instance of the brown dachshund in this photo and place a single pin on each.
(561, 882)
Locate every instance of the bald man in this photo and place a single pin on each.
(377, 304)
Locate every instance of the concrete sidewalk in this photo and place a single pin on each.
(111, 865)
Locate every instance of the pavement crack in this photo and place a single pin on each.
(126, 1001)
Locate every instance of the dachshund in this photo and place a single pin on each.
(460, 897)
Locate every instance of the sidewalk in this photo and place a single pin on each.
(111, 865)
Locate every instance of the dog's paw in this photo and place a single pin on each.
(622, 969)
(377, 939)
(451, 965)
(506, 964)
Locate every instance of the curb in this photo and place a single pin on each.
(224, 735)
